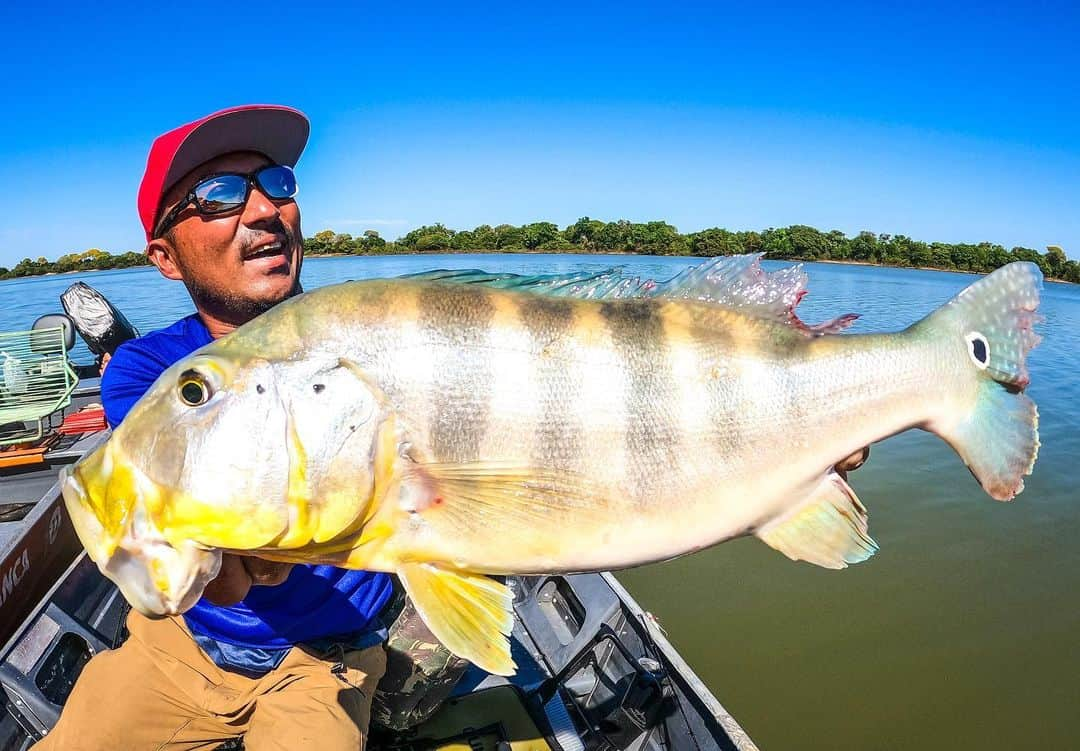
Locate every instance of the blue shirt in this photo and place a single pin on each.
(315, 603)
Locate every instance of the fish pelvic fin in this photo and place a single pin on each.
(998, 436)
(469, 613)
(829, 529)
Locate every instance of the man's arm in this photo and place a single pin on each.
(129, 375)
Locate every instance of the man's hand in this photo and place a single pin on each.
(852, 462)
(239, 573)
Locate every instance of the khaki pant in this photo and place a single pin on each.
(160, 691)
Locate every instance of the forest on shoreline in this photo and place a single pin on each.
(796, 243)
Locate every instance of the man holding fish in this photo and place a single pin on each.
(217, 202)
(454, 426)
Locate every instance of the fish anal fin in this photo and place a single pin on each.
(470, 614)
(829, 529)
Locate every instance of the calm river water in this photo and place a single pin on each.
(962, 632)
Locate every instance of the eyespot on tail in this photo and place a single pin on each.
(996, 316)
(998, 437)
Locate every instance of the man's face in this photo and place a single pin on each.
(238, 265)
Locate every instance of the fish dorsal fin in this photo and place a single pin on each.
(608, 284)
(828, 529)
(740, 283)
(470, 614)
(735, 282)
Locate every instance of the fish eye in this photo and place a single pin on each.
(194, 390)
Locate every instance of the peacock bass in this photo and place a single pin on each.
(457, 425)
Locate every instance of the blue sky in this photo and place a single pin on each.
(957, 123)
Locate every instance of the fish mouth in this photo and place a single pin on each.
(109, 513)
(88, 527)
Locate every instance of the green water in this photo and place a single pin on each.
(962, 632)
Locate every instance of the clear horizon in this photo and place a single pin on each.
(949, 125)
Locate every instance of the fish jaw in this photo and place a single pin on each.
(155, 577)
(116, 526)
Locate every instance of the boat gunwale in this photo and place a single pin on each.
(730, 725)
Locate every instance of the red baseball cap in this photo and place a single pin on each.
(278, 132)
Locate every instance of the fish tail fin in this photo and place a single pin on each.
(996, 431)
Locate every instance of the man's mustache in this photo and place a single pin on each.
(253, 238)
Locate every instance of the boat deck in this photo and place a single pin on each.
(31, 483)
(22, 491)
(595, 671)
(37, 542)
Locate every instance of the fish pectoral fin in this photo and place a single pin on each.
(828, 529)
(497, 495)
(469, 613)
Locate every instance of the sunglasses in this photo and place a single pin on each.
(220, 194)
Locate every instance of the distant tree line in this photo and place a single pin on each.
(93, 259)
(798, 242)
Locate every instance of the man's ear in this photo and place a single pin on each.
(163, 255)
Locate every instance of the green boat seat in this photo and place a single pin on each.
(36, 379)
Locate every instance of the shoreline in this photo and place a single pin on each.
(630, 253)
(891, 266)
(552, 252)
(1051, 279)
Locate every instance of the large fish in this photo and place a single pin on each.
(454, 426)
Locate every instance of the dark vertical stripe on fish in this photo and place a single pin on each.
(719, 370)
(652, 435)
(456, 321)
(373, 307)
(550, 323)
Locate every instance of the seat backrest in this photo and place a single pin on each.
(36, 380)
(51, 321)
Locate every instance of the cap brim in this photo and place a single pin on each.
(278, 132)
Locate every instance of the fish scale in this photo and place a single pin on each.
(652, 438)
(559, 431)
(456, 323)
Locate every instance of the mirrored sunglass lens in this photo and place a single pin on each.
(278, 181)
(222, 193)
